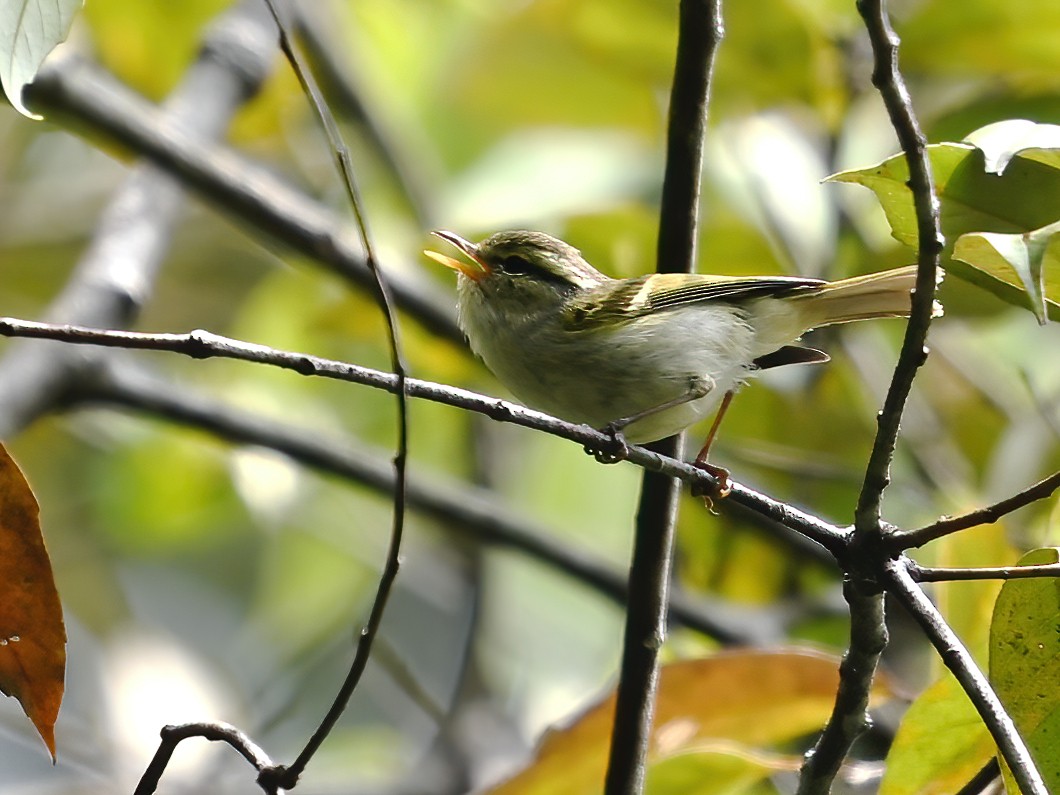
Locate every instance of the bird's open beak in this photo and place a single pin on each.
(473, 272)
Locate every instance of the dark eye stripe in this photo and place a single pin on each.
(515, 265)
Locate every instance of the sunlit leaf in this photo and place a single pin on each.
(1030, 261)
(941, 743)
(1025, 661)
(750, 698)
(32, 635)
(1003, 140)
(1025, 198)
(29, 30)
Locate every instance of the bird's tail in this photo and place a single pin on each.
(883, 294)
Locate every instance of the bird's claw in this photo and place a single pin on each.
(718, 490)
(613, 452)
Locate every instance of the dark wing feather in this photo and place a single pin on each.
(627, 299)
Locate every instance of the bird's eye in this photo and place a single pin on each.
(515, 265)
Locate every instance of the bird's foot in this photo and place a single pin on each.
(718, 490)
(615, 450)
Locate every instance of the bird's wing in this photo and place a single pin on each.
(626, 299)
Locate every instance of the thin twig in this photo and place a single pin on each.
(910, 539)
(932, 574)
(961, 663)
(888, 80)
(700, 31)
(350, 100)
(865, 552)
(849, 719)
(203, 344)
(288, 776)
(215, 732)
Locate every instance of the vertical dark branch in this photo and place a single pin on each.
(868, 637)
(960, 662)
(888, 80)
(700, 31)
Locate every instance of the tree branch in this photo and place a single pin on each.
(115, 275)
(888, 80)
(909, 539)
(932, 574)
(286, 776)
(84, 97)
(849, 719)
(172, 736)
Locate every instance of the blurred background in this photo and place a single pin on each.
(206, 579)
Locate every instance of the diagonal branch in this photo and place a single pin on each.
(84, 97)
(464, 508)
(909, 539)
(116, 273)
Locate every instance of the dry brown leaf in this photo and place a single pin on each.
(32, 635)
(752, 698)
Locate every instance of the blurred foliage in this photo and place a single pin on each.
(249, 575)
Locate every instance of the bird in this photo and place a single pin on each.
(642, 358)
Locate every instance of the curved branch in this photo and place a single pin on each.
(172, 736)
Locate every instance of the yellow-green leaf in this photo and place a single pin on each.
(1030, 261)
(1025, 661)
(941, 743)
(1022, 199)
(1003, 140)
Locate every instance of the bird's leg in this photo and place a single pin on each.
(719, 473)
(698, 386)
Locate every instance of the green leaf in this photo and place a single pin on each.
(1025, 661)
(941, 743)
(29, 30)
(1030, 261)
(1023, 199)
(1003, 140)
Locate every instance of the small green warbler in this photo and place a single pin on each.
(644, 357)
